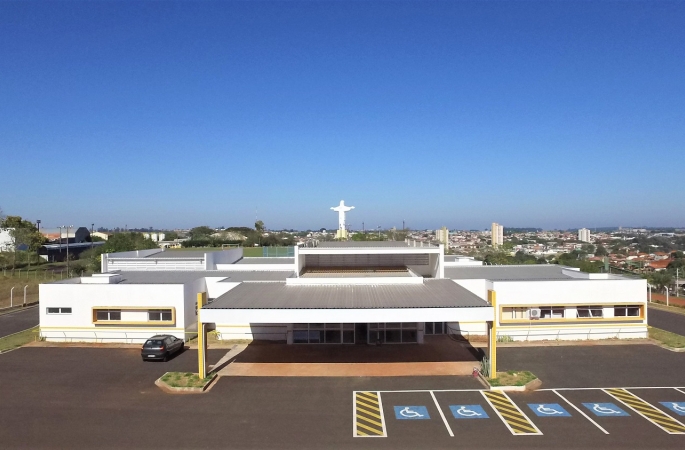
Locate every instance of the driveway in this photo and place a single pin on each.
(17, 321)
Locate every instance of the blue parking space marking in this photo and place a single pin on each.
(605, 410)
(548, 410)
(676, 407)
(468, 412)
(411, 413)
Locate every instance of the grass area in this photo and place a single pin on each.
(677, 309)
(18, 339)
(667, 338)
(185, 379)
(18, 282)
(512, 378)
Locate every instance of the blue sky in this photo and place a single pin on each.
(176, 114)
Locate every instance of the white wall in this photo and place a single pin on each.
(79, 326)
(142, 264)
(479, 287)
(6, 240)
(258, 331)
(223, 257)
(575, 292)
(132, 254)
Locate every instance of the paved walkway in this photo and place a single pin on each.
(439, 355)
(348, 369)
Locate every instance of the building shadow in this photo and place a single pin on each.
(441, 348)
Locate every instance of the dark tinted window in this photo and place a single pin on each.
(153, 343)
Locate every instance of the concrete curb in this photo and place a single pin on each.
(532, 385)
(666, 347)
(185, 390)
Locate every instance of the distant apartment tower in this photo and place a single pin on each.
(443, 235)
(497, 234)
(584, 235)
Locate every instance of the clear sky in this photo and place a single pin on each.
(176, 114)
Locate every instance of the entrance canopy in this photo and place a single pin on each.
(276, 302)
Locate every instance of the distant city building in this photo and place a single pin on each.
(584, 235)
(497, 234)
(442, 235)
(156, 237)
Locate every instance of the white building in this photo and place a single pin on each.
(497, 234)
(6, 240)
(584, 235)
(442, 235)
(338, 293)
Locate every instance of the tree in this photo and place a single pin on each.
(24, 236)
(259, 226)
(170, 235)
(601, 251)
(200, 232)
(660, 279)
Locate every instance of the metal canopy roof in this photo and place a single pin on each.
(508, 273)
(430, 294)
(358, 244)
(182, 277)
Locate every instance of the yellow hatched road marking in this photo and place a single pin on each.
(513, 418)
(372, 422)
(368, 405)
(368, 415)
(648, 411)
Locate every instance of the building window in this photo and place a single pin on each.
(104, 315)
(512, 313)
(434, 328)
(59, 310)
(550, 312)
(589, 312)
(155, 315)
(626, 311)
(323, 333)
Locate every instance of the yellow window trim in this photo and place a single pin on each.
(569, 319)
(95, 309)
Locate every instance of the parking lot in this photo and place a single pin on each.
(644, 413)
(105, 398)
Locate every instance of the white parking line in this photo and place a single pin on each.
(679, 390)
(581, 412)
(437, 405)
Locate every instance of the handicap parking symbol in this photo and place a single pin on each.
(468, 412)
(548, 410)
(676, 407)
(605, 409)
(411, 413)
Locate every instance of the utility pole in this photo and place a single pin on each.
(68, 228)
(92, 227)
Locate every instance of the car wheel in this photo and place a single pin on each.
(166, 357)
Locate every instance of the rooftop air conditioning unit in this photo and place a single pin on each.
(534, 313)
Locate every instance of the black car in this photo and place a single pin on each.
(161, 347)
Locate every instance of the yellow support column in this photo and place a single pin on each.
(201, 337)
(492, 335)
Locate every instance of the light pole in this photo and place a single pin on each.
(68, 228)
(60, 241)
(92, 227)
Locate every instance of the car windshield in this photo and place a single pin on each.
(153, 343)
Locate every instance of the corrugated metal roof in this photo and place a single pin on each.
(182, 277)
(266, 260)
(363, 244)
(508, 273)
(430, 294)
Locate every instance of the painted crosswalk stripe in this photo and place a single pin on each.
(516, 420)
(646, 410)
(368, 415)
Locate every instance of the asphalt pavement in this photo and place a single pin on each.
(17, 321)
(105, 398)
(673, 322)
